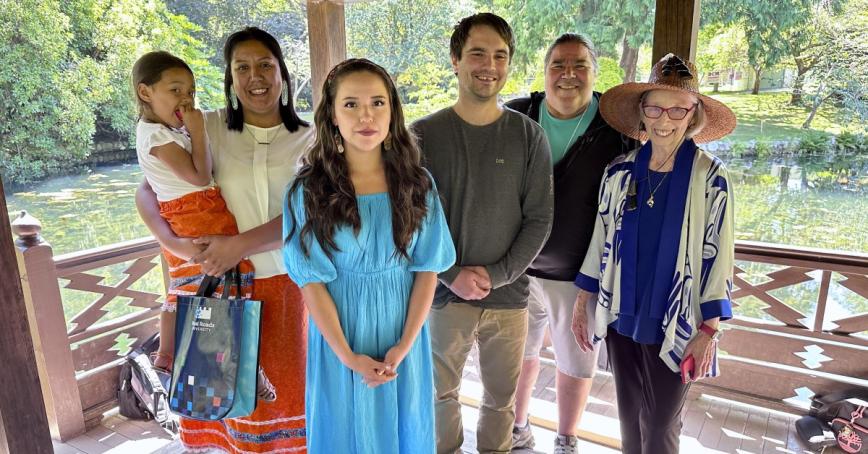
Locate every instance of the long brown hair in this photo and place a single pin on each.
(329, 195)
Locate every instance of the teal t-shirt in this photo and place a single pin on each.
(562, 134)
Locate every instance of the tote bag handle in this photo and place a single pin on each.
(210, 283)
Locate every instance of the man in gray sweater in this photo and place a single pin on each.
(492, 168)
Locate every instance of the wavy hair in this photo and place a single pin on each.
(329, 195)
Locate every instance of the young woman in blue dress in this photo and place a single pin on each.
(364, 238)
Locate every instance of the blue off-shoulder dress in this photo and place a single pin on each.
(370, 285)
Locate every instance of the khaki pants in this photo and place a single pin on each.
(500, 335)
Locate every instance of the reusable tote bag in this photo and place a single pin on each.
(216, 353)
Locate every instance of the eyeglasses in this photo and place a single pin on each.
(675, 113)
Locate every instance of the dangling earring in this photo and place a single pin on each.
(340, 142)
(284, 94)
(233, 99)
(387, 144)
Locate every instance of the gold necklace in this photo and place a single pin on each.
(250, 131)
(650, 201)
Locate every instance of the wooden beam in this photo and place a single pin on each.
(23, 423)
(327, 38)
(54, 360)
(676, 24)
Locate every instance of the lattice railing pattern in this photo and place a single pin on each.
(784, 353)
(98, 337)
(800, 326)
(83, 323)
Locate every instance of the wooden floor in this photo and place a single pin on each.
(711, 425)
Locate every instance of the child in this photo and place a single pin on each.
(172, 149)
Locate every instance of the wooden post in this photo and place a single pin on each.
(676, 24)
(327, 38)
(23, 424)
(48, 329)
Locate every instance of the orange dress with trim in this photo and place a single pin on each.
(194, 215)
(279, 426)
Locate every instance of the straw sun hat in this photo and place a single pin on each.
(620, 104)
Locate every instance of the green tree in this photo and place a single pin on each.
(807, 45)
(767, 25)
(610, 74)
(410, 38)
(65, 76)
(111, 35)
(46, 118)
(619, 28)
(721, 48)
(842, 73)
(625, 25)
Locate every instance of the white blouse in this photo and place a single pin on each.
(162, 179)
(252, 169)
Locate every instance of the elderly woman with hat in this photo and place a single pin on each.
(660, 261)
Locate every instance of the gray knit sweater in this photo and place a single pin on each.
(496, 185)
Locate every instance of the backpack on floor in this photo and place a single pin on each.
(839, 418)
(141, 389)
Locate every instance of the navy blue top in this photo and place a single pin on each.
(642, 327)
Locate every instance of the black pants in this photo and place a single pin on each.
(650, 397)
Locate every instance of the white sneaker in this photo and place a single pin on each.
(566, 444)
(522, 437)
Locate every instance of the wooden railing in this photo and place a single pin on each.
(787, 355)
(78, 361)
(773, 359)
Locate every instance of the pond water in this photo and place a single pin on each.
(812, 201)
(805, 201)
(808, 201)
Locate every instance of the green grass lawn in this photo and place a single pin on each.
(769, 116)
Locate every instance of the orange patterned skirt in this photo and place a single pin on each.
(277, 426)
(191, 216)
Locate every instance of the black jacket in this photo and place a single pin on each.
(577, 186)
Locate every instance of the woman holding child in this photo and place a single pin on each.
(256, 142)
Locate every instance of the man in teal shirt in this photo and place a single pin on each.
(582, 144)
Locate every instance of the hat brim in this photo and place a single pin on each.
(619, 106)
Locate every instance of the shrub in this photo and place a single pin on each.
(610, 74)
(850, 142)
(763, 149)
(814, 143)
(738, 149)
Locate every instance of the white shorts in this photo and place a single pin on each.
(551, 303)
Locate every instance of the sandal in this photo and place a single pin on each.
(265, 391)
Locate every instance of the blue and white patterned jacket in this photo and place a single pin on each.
(701, 285)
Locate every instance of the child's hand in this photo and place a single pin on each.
(193, 119)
